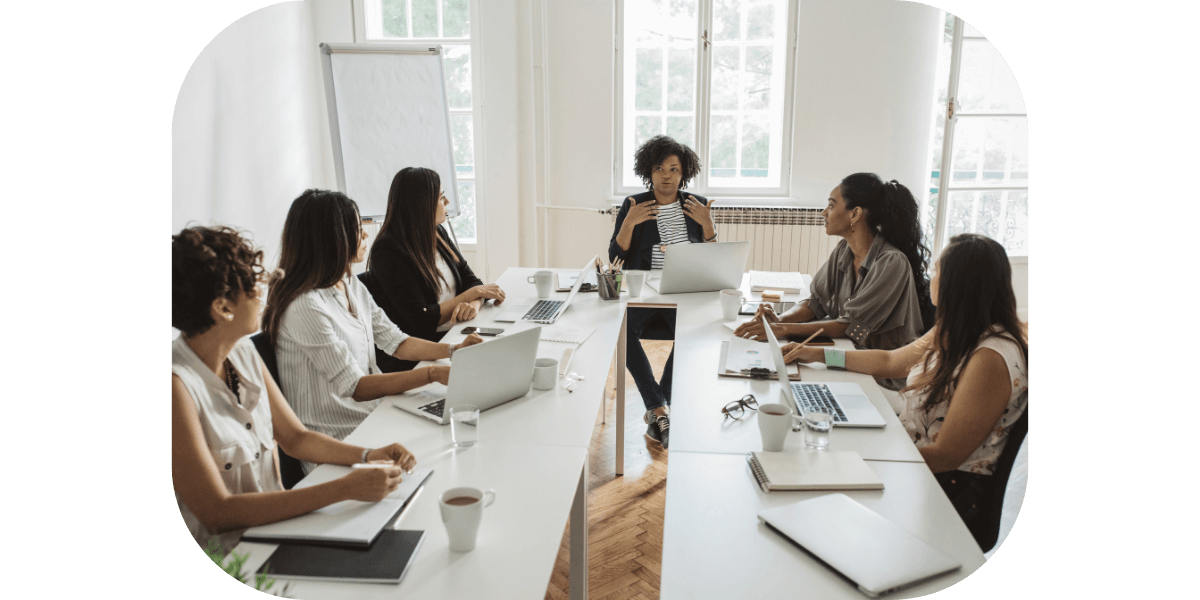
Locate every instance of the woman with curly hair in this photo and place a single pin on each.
(227, 413)
(873, 288)
(646, 224)
(968, 377)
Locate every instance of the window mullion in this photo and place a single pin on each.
(703, 94)
(939, 231)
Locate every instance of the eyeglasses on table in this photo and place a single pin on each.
(736, 409)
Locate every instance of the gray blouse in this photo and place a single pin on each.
(881, 308)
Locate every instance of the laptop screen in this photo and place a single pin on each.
(781, 372)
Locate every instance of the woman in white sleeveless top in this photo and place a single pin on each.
(968, 377)
(227, 412)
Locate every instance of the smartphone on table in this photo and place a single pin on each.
(488, 331)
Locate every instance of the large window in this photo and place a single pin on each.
(979, 154)
(714, 75)
(445, 22)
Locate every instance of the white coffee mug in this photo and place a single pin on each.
(545, 373)
(731, 303)
(544, 280)
(462, 510)
(774, 421)
(634, 281)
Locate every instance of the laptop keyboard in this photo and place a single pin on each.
(435, 408)
(543, 311)
(815, 397)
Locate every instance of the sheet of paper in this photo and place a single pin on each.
(748, 354)
(788, 281)
(566, 335)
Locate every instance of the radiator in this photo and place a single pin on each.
(781, 238)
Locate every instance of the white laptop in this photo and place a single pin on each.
(485, 375)
(869, 550)
(703, 267)
(845, 402)
(546, 311)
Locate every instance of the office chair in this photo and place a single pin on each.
(987, 530)
(290, 470)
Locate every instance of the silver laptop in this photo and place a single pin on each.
(845, 402)
(485, 375)
(869, 550)
(546, 311)
(703, 267)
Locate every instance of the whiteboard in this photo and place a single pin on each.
(387, 110)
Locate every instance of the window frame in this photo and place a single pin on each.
(360, 36)
(945, 179)
(775, 196)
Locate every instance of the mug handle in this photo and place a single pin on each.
(489, 497)
(529, 279)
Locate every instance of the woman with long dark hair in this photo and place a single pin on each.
(646, 225)
(967, 378)
(415, 272)
(227, 413)
(873, 287)
(325, 327)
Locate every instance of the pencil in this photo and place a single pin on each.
(810, 338)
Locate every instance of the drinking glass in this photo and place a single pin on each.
(817, 426)
(464, 425)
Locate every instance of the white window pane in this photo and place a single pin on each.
(647, 127)
(649, 79)
(425, 18)
(682, 130)
(1000, 215)
(756, 95)
(986, 84)
(462, 132)
(681, 21)
(755, 146)
(727, 63)
(456, 18)
(395, 18)
(1015, 226)
(760, 22)
(990, 152)
(722, 147)
(464, 223)
(458, 75)
(681, 78)
(727, 20)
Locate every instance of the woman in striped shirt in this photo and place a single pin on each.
(325, 326)
(646, 224)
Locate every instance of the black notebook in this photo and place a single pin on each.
(385, 561)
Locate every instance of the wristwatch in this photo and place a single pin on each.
(714, 238)
(366, 451)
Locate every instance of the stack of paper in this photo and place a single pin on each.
(808, 470)
(788, 282)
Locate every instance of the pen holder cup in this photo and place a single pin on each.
(610, 285)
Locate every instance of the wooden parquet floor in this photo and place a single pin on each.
(625, 514)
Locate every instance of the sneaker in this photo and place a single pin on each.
(652, 431)
(664, 429)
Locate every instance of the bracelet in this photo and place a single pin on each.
(714, 238)
(835, 358)
(366, 451)
(428, 374)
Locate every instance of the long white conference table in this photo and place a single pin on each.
(533, 452)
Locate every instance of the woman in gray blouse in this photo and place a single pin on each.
(873, 288)
(325, 326)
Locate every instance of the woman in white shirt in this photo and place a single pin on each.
(325, 326)
(227, 413)
(967, 377)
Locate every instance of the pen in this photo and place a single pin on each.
(379, 465)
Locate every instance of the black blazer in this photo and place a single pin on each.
(645, 235)
(405, 298)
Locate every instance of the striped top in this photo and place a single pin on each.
(672, 229)
(324, 349)
(238, 430)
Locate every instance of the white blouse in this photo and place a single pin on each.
(448, 287)
(323, 350)
(239, 434)
(923, 427)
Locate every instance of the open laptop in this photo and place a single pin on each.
(485, 375)
(845, 402)
(703, 267)
(546, 311)
(866, 548)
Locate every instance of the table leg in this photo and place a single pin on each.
(621, 396)
(579, 542)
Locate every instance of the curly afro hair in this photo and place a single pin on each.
(209, 263)
(656, 150)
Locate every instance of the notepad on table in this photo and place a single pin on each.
(812, 470)
(349, 523)
(385, 561)
(566, 335)
(785, 281)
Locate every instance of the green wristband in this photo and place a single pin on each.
(835, 358)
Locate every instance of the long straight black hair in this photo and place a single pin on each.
(975, 295)
(320, 240)
(411, 221)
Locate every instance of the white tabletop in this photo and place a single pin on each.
(715, 547)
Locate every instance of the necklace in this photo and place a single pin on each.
(232, 380)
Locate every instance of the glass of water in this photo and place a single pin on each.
(817, 426)
(464, 425)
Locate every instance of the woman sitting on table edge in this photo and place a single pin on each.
(325, 326)
(415, 272)
(227, 413)
(960, 401)
(646, 224)
(872, 289)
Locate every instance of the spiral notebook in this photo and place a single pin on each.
(809, 470)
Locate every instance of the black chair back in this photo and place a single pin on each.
(989, 528)
(290, 470)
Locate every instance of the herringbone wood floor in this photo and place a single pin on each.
(625, 514)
